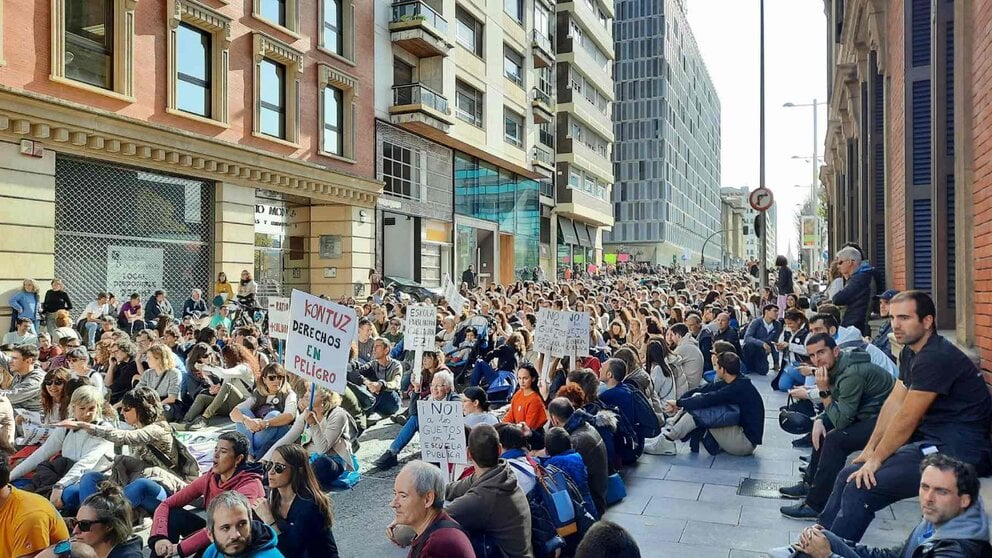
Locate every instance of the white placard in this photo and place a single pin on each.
(319, 339)
(455, 300)
(551, 333)
(442, 431)
(577, 337)
(421, 327)
(132, 269)
(278, 317)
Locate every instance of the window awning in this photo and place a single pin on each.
(566, 231)
(583, 234)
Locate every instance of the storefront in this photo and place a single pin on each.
(282, 257)
(498, 221)
(576, 245)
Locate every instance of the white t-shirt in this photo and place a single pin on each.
(96, 309)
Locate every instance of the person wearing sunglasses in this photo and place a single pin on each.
(266, 415)
(81, 452)
(55, 396)
(78, 360)
(104, 522)
(297, 509)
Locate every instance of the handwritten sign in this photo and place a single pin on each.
(577, 337)
(421, 327)
(560, 333)
(442, 431)
(450, 293)
(132, 269)
(319, 339)
(278, 317)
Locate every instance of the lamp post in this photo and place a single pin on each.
(763, 248)
(702, 253)
(814, 206)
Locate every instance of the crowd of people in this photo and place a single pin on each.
(671, 355)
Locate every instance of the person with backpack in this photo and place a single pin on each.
(419, 507)
(631, 403)
(489, 504)
(587, 441)
(562, 455)
(727, 415)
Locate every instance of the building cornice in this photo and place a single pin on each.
(71, 128)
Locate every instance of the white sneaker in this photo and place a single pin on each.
(660, 445)
(782, 552)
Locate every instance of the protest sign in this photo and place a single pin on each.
(551, 333)
(134, 269)
(577, 336)
(455, 300)
(278, 317)
(421, 327)
(442, 432)
(319, 339)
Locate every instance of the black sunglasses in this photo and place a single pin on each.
(85, 525)
(55, 381)
(278, 468)
(274, 377)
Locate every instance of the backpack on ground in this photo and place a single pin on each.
(647, 425)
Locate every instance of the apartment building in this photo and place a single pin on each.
(154, 144)
(458, 106)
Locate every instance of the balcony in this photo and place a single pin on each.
(420, 108)
(543, 158)
(544, 53)
(543, 106)
(419, 29)
(547, 189)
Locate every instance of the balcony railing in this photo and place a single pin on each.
(543, 156)
(541, 96)
(419, 11)
(418, 94)
(547, 189)
(543, 42)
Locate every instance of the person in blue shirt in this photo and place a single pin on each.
(25, 305)
(558, 445)
(617, 394)
(233, 532)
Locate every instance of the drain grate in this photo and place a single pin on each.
(761, 488)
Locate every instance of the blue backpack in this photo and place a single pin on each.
(556, 508)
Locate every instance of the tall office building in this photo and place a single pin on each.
(666, 200)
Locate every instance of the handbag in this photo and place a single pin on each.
(717, 416)
(795, 417)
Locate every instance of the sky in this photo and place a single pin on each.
(727, 32)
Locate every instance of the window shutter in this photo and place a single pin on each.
(922, 245)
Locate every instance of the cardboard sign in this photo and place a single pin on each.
(133, 269)
(455, 300)
(442, 431)
(421, 327)
(319, 339)
(560, 333)
(278, 317)
(577, 338)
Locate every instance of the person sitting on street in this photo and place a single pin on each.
(562, 455)
(122, 373)
(826, 322)
(78, 361)
(882, 340)
(489, 504)
(689, 356)
(162, 375)
(239, 375)
(475, 407)
(92, 315)
(156, 307)
(268, 412)
(104, 523)
(233, 532)
(458, 355)
(724, 332)
(377, 383)
(760, 339)
(793, 350)
(954, 522)
(855, 296)
(514, 450)
(231, 471)
(506, 356)
(195, 306)
(22, 334)
(418, 504)
(221, 318)
(442, 389)
(527, 406)
(131, 318)
(587, 441)
(24, 383)
(28, 522)
(852, 390)
(742, 434)
(939, 404)
(247, 289)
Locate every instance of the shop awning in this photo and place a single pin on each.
(566, 231)
(587, 236)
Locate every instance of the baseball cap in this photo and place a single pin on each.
(887, 295)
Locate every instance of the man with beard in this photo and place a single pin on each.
(234, 533)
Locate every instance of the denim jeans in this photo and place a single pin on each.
(141, 493)
(790, 378)
(482, 372)
(71, 498)
(386, 403)
(405, 435)
(838, 547)
(263, 440)
(91, 329)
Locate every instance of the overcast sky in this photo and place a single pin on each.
(727, 32)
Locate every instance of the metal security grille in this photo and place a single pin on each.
(123, 229)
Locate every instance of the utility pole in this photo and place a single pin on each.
(815, 205)
(763, 215)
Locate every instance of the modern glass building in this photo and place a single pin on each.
(666, 198)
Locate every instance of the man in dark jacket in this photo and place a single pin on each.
(726, 333)
(856, 294)
(587, 441)
(760, 339)
(881, 339)
(954, 523)
(852, 390)
(741, 438)
(490, 503)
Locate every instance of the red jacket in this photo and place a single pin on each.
(246, 480)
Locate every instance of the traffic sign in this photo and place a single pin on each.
(761, 199)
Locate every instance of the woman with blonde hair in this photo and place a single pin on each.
(331, 433)
(266, 415)
(62, 326)
(80, 452)
(25, 305)
(164, 378)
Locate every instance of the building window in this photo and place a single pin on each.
(332, 38)
(469, 32)
(338, 115)
(333, 120)
(542, 19)
(279, 13)
(193, 70)
(515, 9)
(513, 65)
(401, 171)
(92, 45)
(468, 103)
(513, 128)
(198, 42)
(276, 84)
(272, 98)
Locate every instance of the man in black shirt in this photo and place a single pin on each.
(939, 404)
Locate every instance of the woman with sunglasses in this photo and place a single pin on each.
(296, 508)
(55, 396)
(241, 372)
(104, 523)
(331, 431)
(81, 452)
(78, 360)
(152, 470)
(266, 415)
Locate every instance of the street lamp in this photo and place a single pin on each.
(814, 206)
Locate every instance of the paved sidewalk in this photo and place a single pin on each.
(687, 505)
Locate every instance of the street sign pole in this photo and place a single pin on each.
(763, 273)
